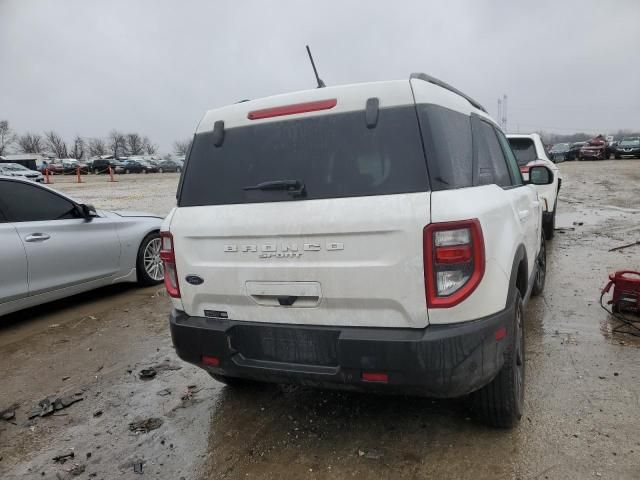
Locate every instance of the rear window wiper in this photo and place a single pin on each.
(296, 188)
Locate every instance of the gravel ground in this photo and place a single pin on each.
(582, 393)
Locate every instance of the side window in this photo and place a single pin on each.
(512, 162)
(490, 166)
(22, 202)
(447, 142)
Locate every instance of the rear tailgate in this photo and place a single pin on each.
(352, 261)
(347, 251)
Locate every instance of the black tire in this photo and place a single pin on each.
(617, 157)
(500, 403)
(144, 277)
(541, 273)
(549, 225)
(234, 382)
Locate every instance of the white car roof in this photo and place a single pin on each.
(351, 97)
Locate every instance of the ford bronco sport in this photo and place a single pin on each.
(376, 236)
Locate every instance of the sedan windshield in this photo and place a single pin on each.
(630, 143)
(14, 167)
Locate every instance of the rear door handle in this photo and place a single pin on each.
(37, 237)
(523, 214)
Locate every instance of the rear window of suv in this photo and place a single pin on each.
(332, 155)
(524, 150)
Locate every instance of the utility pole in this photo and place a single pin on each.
(499, 117)
(504, 113)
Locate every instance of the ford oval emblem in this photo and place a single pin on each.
(194, 279)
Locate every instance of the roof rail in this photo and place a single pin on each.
(446, 86)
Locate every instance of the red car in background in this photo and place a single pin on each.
(595, 149)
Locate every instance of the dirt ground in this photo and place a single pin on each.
(582, 413)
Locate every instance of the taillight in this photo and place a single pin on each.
(453, 261)
(169, 260)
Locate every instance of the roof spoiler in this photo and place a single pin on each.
(446, 86)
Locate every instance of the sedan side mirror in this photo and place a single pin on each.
(88, 211)
(540, 175)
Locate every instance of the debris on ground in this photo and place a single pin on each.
(164, 392)
(78, 469)
(97, 413)
(138, 467)
(52, 404)
(146, 425)
(191, 391)
(371, 454)
(151, 372)
(147, 373)
(9, 414)
(64, 457)
(614, 249)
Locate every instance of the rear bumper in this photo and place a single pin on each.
(438, 361)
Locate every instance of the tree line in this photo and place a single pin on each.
(117, 143)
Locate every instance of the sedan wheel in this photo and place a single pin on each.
(149, 265)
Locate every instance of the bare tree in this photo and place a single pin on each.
(30, 143)
(117, 144)
(135, 145)
(97, 147)
(181, 147)
(149, 148)
(56, 144)
(77, 151)
(6, 136)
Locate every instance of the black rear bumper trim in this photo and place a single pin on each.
(440, 360)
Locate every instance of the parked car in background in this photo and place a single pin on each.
(529, 152)
(20, 171)
(574, 150)
(628, 148)
(169, 166)
(52, 167)
(610, 148)
(70, 167)
(54, 247)
(101, 165)
(134, 166)
(149, 166)
(595, 149)
(558, 153)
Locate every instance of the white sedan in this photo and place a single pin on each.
(54, 247)
(17, 170)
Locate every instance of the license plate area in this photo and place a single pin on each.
(294, 345)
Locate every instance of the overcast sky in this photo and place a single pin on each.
(85, 67)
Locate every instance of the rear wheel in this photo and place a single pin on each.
(501, 402)
(149, 265)
(541, 271)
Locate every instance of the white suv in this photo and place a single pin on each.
(375, 236)
(529, 151)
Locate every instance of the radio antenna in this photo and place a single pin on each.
(315, 71)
